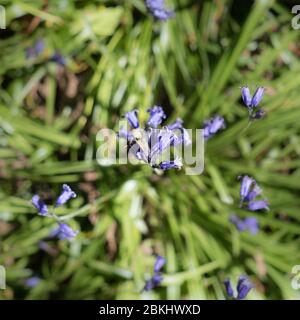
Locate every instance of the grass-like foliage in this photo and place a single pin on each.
(70, 68)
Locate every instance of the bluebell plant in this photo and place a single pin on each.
(148, 143)
(243, 287)
(249, 191)
(156, 278)
(158, 9)
(252, 102)
(63, 231)
(32, 282)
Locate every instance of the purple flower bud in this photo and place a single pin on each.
(159, 263)
(258, 205)
(173, 164)
(243, 287)
(156, 116)
(32, 282)
(40, 205)
(258, 95)
(176, 125)
(212, 126)
(228, 288)
(153, 282)
(246, 96)
(246, 184)
(132, 117)
(64, 232)
(65, 196)
(158, 10)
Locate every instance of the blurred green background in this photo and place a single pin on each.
(117, 57)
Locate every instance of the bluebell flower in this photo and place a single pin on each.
(159, 263)
(40, 205)
(249, 101)
(132, 117)
(244, 286)
(157, 278)
(64, 232)
(253, 193)
(158, 10)
(249, 191)
(32, 282)
(154, 282)
(172, 164)
(212, 126)
(258, 205)
(246, 184)
(156, 116)
(66, 194)
(58, 58)
(249, 223)
(176, 125)
(228, 288)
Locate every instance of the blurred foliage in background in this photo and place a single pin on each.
(117, 57)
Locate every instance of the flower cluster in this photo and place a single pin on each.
(156, 279)
(158, 10)
(63, 231)
(212, 126)
(243, 287)
(252, 102)
(149, 144)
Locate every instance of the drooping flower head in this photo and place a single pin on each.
(176, 124)
(132, 117)
(150, 144)
(157, 278)
(243, 287)
(34, 51)
(156, 116)
(158, 10)
(66, 194)
(252, 101)
(249, 191)
(40, 205)
(64, 232)
(258, 205)
(212, 126)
